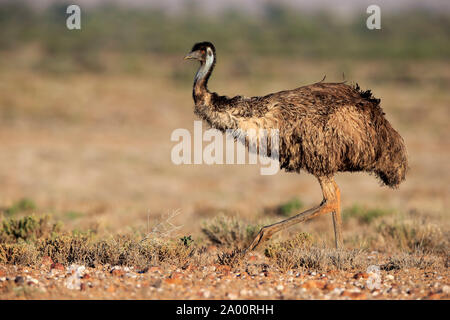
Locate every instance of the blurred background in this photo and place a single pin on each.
(86, 115)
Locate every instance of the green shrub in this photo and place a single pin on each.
(364, 215)
(186, 240)
(27, 228)
(23, 204)
(286, 209)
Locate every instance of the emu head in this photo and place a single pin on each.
(202, 51)
(206, 54)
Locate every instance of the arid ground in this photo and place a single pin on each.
(91, 151)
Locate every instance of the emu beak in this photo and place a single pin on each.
(192, 55)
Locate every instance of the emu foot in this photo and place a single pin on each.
(264, 234)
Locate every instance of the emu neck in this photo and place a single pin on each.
(201, 93)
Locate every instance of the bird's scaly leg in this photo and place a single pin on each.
(329, 204)
(337, 220)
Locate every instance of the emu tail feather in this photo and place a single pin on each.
(392, 166)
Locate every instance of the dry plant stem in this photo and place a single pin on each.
(330, 203)
(163, 228)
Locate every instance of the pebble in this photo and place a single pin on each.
(280, 287)
(117, 272)
(353, 295)
(130, 275)
(360, 275)
(57, 266)
(232, 296)
(31, 280)
(19, 280)
(311, 284)
(47, 261)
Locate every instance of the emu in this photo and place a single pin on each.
(324, 128)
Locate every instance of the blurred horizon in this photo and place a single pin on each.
(252, 6)
(411, 31)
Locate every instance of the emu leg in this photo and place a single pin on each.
(337, 220)
(329, 204)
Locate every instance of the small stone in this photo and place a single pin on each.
(360, 275)
(353, 295)
(280, 287)
(252, 270)
(82, 287)
(232, 296)
(330, 286)
(176, 275)
(337, 291)
(311, 284)
(434, 296)
(191, 268)
(223, 269)
(117, 272)
(31, 280)
(390, 277)
(446, 289)
(145, 270)
(57, 266)
(2, 273)
(156, 284)
(154, 269)
(47, 261)
(19, 280)
(173, 281)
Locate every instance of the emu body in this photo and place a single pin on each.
(324, 128)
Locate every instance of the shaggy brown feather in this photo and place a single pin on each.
(324, 128)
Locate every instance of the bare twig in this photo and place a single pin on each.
(164, 227)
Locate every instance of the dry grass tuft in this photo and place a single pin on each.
(407, 260)
(229, 231)
(18, 253)
(413, 235)
(233, 258)
(301, 240)
(25, 241)
(299, 253)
